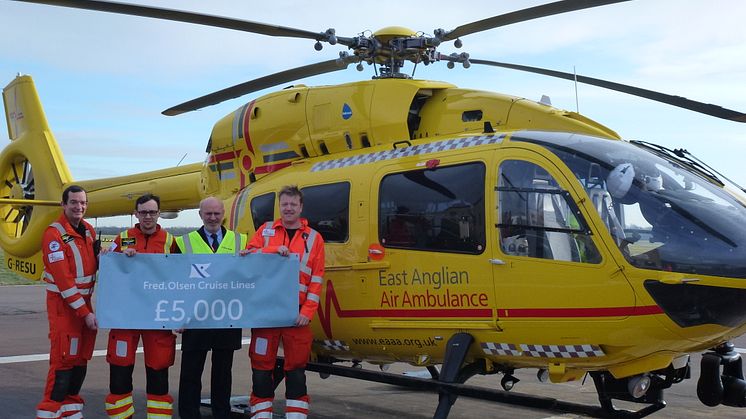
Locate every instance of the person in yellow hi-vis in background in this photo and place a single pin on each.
(212, 237)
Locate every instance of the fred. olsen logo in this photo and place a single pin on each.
(199, 270)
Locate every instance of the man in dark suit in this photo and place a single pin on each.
(212, 237)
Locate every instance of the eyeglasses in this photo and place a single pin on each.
(148, 213)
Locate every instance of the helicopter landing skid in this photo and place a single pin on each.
(500, 396)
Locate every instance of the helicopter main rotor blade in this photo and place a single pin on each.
(189, 17)
(261, 83)
(524, 15)
(681, 102)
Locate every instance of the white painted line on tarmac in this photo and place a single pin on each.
(23, 358)
(101, 352)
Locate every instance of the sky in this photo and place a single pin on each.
(104, 79)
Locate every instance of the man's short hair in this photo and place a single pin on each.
(291, 190)
(148, 197)
(71, 189)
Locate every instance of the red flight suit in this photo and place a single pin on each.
(308, 244)
(70, 270)
(158, 345)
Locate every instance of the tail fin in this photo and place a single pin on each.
(32, 175)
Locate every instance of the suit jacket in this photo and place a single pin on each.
(207, 339)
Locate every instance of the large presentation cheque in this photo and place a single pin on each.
(158, 291)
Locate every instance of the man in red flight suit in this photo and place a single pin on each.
(69, 249)
(288, 234)
(159, 345)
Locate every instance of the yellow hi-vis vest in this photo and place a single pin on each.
(193, 243)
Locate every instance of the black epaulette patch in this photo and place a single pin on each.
(129, 241)
(66, 238)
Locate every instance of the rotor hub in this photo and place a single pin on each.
(387, 34)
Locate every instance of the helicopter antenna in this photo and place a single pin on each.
(182, 159)
(575, 76)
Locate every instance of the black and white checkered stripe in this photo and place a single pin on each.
(562, 351)
(334, 345)
(491, 348)
(543, 351)
(434, 147)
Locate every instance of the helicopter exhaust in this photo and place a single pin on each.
(727, 388)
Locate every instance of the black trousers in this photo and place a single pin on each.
(190, 383)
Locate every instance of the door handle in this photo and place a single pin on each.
(678, 281)
(497, 261)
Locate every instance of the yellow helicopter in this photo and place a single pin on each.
(464, 228)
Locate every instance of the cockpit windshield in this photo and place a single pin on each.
(661, 215)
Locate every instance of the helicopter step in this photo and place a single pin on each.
(456, 349)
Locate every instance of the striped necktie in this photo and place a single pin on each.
(214, 242)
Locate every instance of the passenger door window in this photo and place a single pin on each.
(439, 209)
(262, 209)
(327, 208)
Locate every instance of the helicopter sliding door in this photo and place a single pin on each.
(549, 265)
(431, 227)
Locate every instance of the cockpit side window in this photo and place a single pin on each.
(537, 218)
(661, 212)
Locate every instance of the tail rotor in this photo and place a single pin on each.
(18, 183)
